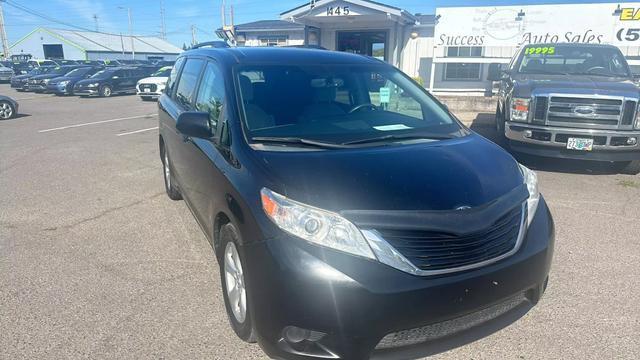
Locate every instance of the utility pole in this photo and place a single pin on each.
(95, 19)
(222, 13)
(3, 35)
(193, 35)
(163, 28)
(133, 50)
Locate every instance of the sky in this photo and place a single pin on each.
(181, 15)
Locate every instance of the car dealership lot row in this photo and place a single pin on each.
(96, 262)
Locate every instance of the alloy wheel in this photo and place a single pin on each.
(234, 281)
(6, 111)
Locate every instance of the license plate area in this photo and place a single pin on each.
(580, 144)
(147, 90)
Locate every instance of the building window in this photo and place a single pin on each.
(462, 71)
(464, 51)
(273, 41)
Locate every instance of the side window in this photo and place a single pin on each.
(187, 82)
(211, 94)
(174, 74)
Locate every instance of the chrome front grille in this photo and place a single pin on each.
(584, 112)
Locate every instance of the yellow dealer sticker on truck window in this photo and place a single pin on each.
(543, 50)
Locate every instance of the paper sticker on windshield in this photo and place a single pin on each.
(391, 127)
(385, 95)
(540, 50)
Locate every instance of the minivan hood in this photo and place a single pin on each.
(90, 81)
(442, 175)
(526, 85)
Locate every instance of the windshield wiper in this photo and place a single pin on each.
(297, 141)
(544, 72)
(399, 137)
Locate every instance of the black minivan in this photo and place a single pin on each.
(350, 212)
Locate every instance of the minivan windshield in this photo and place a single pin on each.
(316, 105)
(573, 60)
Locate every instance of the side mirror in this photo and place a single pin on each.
(495, 72)
(194, 124)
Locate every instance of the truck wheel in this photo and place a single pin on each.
(105, 91)
(234, 287)
(499, 122)
(631, 167)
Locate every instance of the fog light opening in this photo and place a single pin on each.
(305, 342)
(527, 134)
(632, 141)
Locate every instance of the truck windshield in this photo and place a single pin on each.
(573, 60)
(338, 105)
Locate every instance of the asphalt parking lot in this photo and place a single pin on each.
(96, 262)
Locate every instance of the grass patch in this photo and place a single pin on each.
(629, 184)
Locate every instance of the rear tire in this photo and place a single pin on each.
(7, 110)
(234, 288)
(105, 91)
(631, 167)
(169, 183)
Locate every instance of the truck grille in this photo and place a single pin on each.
(430, 250)
(585, 112)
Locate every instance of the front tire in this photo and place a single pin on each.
(105, 91)
(169, 184)
(6, 110)
(631, 167)
(234, 286)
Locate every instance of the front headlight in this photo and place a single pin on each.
(315, 225)
(519, 109)
(63, 83)
(92, 85)
(46, 81)
(636, 125)
(531, 179)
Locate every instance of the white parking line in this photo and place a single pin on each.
(97, 122)
(137, 131)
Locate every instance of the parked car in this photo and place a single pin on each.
(346, 216)
(19, 82)
(116, 80)
(39, 83)
(575, 101)
(63, 85)
(6, 72)
(8, 107)
(152, 87)
(42, 62)
(20, 68)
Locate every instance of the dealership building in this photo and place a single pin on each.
(450, 51)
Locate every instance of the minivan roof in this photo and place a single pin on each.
(280, 55)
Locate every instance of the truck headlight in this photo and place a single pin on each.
(636, 125)
(519, 109)
(314, 225)
(531, 180)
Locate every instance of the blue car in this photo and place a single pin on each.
(350, 212)
(63, 85)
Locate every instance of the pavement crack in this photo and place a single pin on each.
(104, 213)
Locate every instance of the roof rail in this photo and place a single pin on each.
(213, 44)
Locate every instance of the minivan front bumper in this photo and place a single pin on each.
(355, 306)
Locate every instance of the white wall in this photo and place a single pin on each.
(33, 45)
(294, 37)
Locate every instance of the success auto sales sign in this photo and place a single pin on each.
(521, 25)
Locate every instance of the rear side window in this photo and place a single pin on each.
(173, 75)
(187, 82)
(211, 94)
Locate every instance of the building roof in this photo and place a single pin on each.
(269, 25)
(426, 19)
(93, 41)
